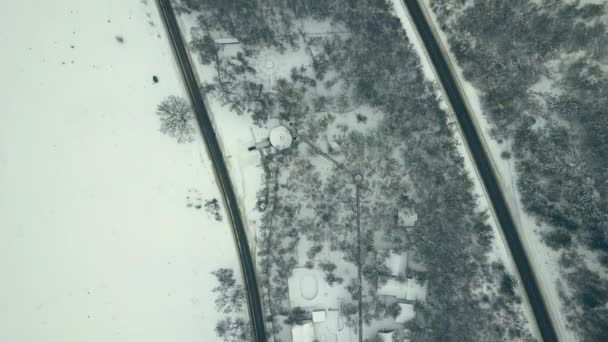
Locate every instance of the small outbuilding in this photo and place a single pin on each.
(386, 335)
(394, 288)
(396, 263)
(318, 316)
(226, 41)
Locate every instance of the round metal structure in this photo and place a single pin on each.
(280, 138)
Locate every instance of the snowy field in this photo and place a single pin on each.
(543, 260)
(97, 241)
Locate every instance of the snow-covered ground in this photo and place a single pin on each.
(500, 246)
(544, 260)
(96, 240)
(245, 166)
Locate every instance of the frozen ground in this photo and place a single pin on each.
(543, 259)
(96, 240)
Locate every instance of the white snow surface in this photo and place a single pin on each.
(303, 333)
(96, 241)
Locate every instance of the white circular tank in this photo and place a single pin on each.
(280, 138)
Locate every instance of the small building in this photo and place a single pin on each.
(406, 313)
(326, 326)
(303, 333)
(396, 263)
(226, 41)
(280, 138)
(393, 287)
(318, 316)
(386, 335)
(410, 289)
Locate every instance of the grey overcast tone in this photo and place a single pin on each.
(304, 171)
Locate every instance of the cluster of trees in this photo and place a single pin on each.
(450, 237)
(372, 64)
(266, 25)
(230, 302)
(559, 134)
(276, 247)
(212, 207)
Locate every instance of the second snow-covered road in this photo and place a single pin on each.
(484, 166)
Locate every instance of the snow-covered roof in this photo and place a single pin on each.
(280, 138)
(386, 336)
(415, 290)
(334, 329)
(318, 316)
(396, 263)
(303, 333)
(406, 314)
(393, 287)
(407, 217)
(226, 41)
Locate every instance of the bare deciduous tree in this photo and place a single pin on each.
(176, 118)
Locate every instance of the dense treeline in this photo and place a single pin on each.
(470, 298)
(541, 67)
(451, 237)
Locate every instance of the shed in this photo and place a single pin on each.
(386, 335)
(227, 40)
(318, 316)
